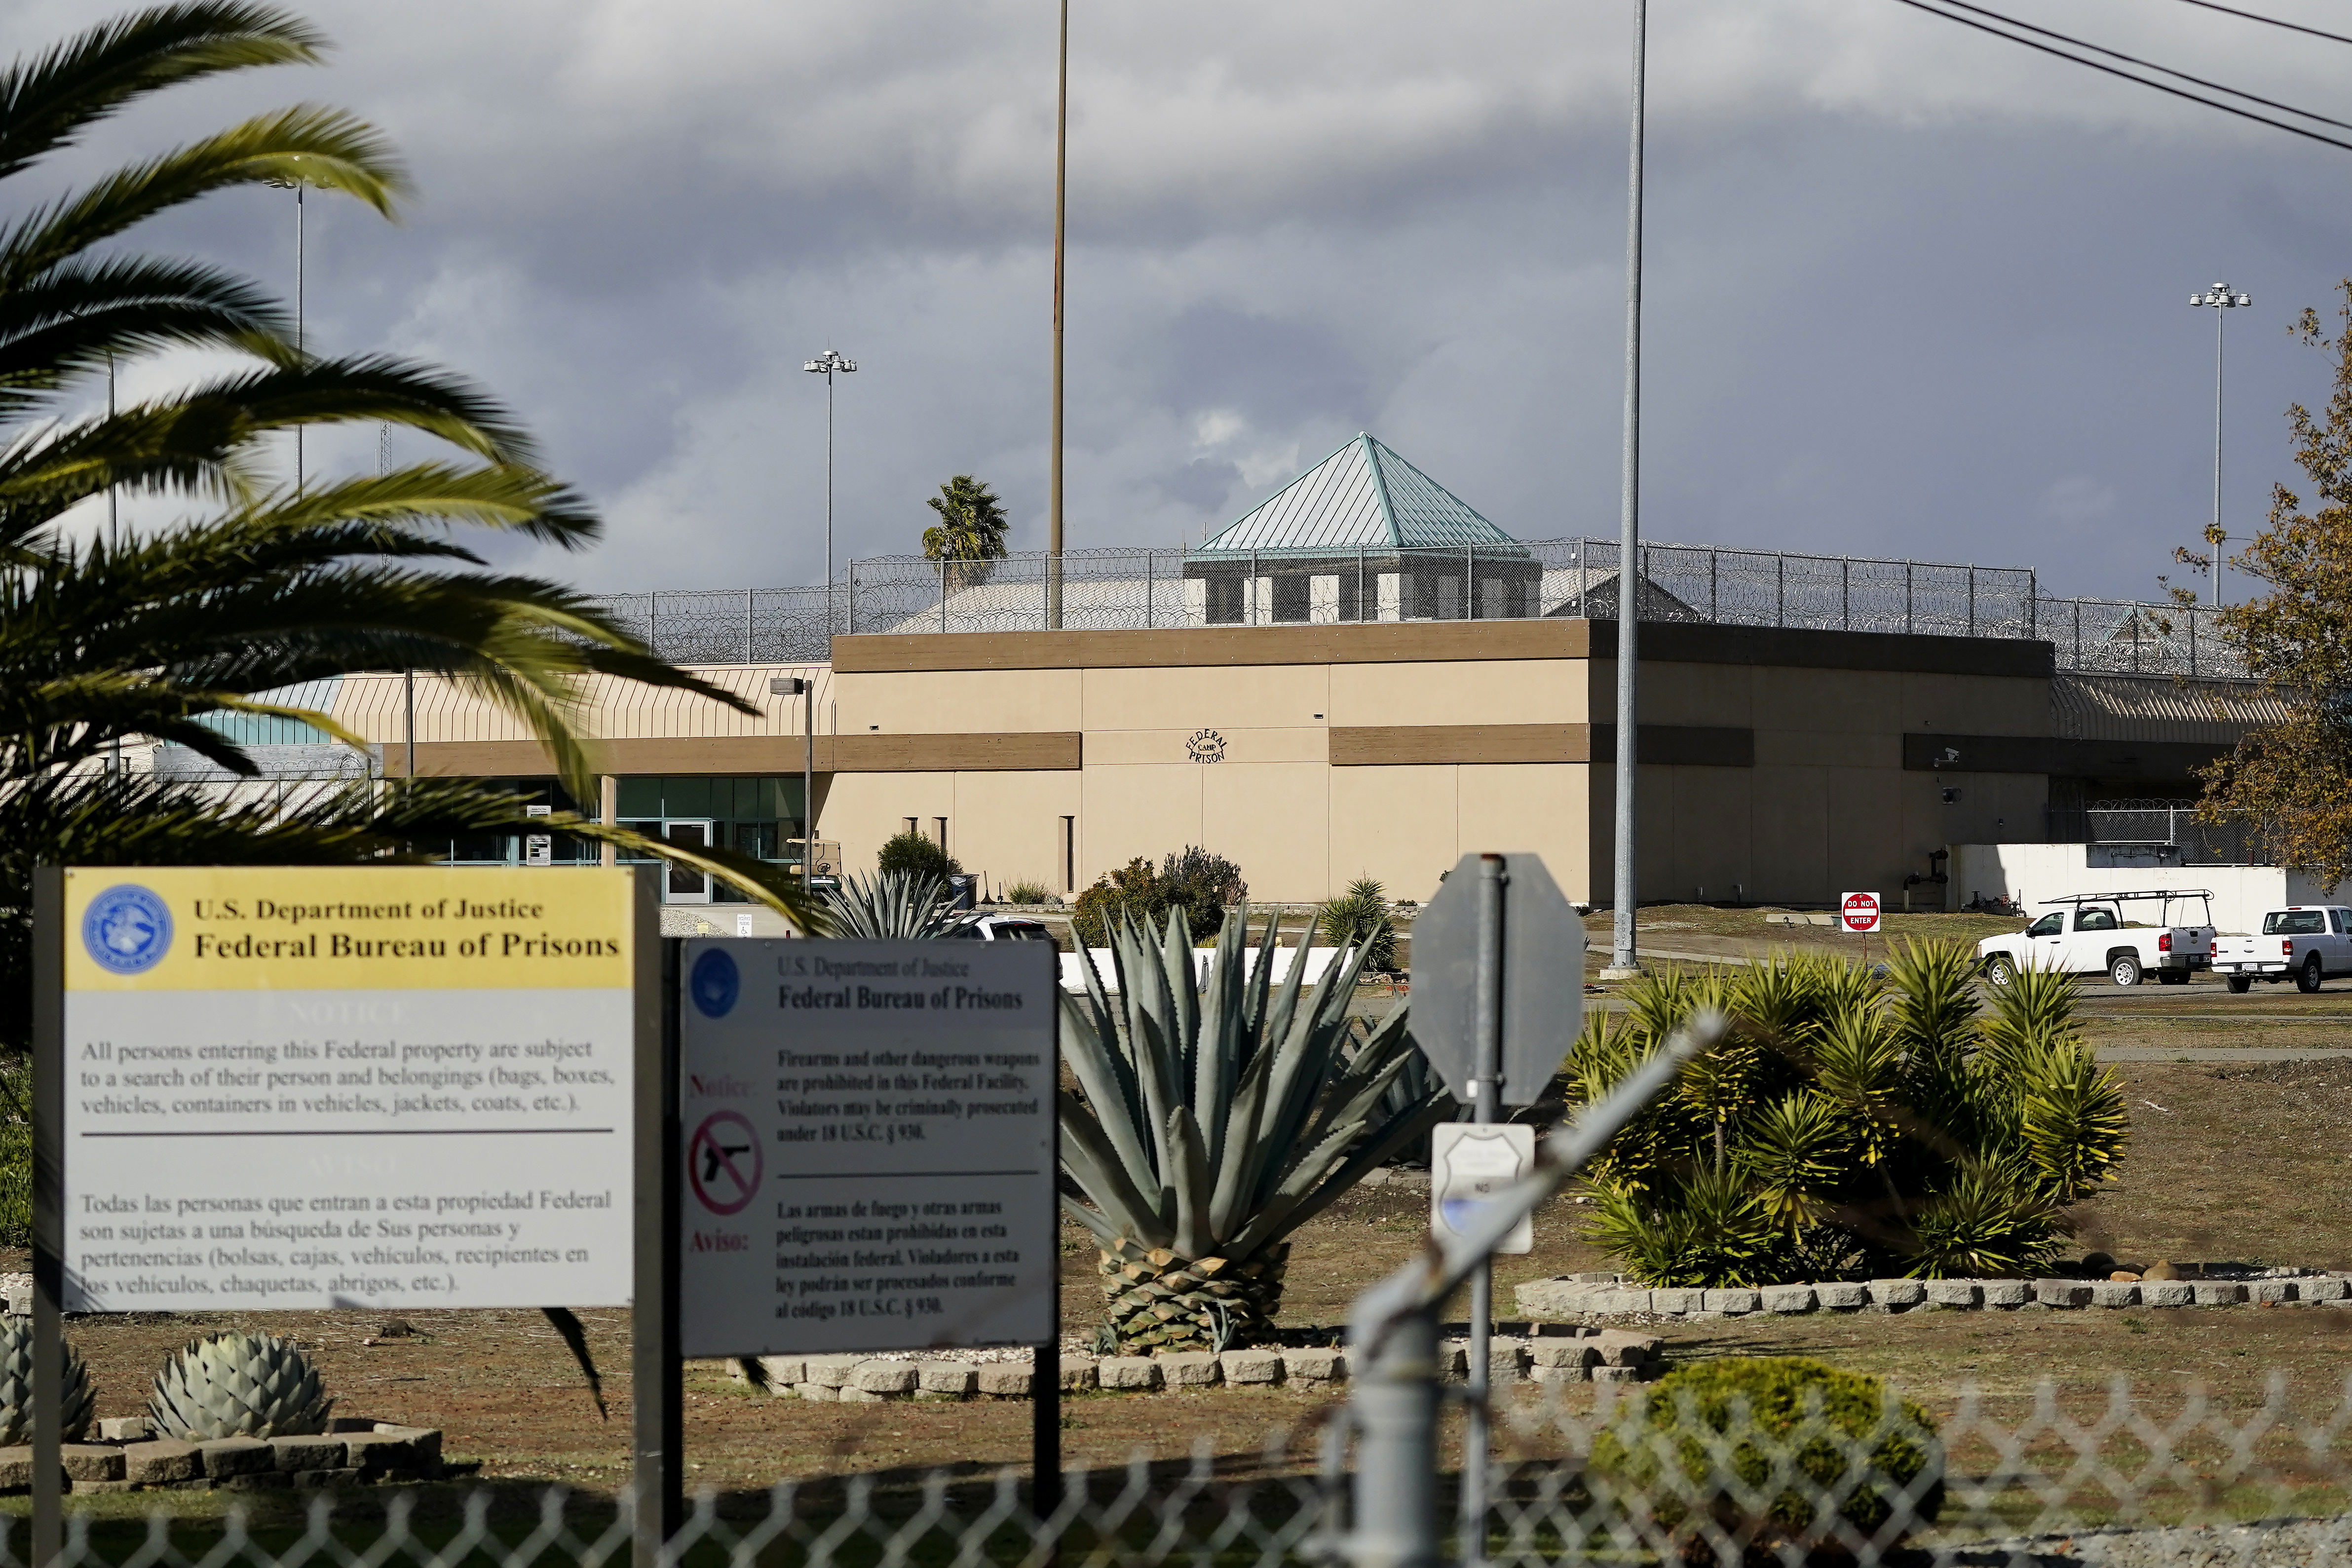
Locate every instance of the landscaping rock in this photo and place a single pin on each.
(2165, 1293)
(388, 1447)
(1895, 1295)
(1079, 1372)
(310, 1453)
(953, 1379)
(1453, 1360)
(832, 1371)
(16, 1468)
(2271, 1292)
(1839, 1298)
(1190, 1369)
(2219, 1292)
(1675, 1304)
(1010, 1379)
(2005, 1294)
(1553, 1297)
(1620, 1303)
(91, 1461)
(1127, 1372)
(79, 1486)
(1958, 1293)
(2323, 1287)
(1789, 1298)
(886, 1377)
(1619, 1374)
(2061, 1292)
(785, 1372)
(1556, 1355)
(1252, 1366)
(1505, 1361)
(1314, 1367)
(225, 1456)
(1590, 1278)
(2110, 1293)
(312, 1479)
(816, 1391)
(1623, 1347)
(126, 1428)
(160, 1461)
(1731, 1303)
(254, 1481)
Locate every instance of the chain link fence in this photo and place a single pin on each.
(2168, 829)
(1594, 1474)
(1137, 590)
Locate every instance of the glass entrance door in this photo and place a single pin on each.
(684, 885)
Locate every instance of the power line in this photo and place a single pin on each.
(2127, 76)
(2151, 65)
(2270, 21)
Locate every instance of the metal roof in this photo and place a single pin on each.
(2160, 708)
(1361, 497)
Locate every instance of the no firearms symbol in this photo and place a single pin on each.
(723, 1162)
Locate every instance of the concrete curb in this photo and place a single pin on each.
(1586, 1296)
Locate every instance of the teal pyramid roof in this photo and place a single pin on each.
(1361, 497)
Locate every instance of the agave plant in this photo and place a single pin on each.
(237, 1385)
(1853, 1124)
(16, 1386)
(894, 906)
(1214, 1119)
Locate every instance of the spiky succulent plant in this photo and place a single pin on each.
(237, 1385)
(895, 906)
(1214, 1120)
(16, 1386)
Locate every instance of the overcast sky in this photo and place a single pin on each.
(1912, 291)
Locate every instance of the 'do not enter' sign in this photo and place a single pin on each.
(1858, 912)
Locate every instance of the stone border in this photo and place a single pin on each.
(1565, 1353)
(127, 1458)
(1564, 1298)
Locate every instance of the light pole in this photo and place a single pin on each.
(1624, 958)
(2221, 300)
(805, 688)
(825, 364)
(299, 258)
(1061, 210)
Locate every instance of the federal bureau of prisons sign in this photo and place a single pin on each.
(301, 1086)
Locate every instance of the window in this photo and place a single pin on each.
(756, 817)
(1293, 597)
(2293, 922)
(1022, 930)
(1225, 601)
(2343, 921)
(1069, 853)
(2094, 920)
(2048, 925)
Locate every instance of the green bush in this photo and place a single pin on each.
(1027, 892)
(1361, 915)
(910, 854)
(16, 1155)
(1204, 886)
(1851, 1126)
(1709, 1443)
(1135, 889)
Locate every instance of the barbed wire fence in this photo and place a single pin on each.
(1139, 590)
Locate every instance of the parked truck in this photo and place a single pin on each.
(2089, 933)
(2307, 943)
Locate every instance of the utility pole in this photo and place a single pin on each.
(1060, 212)
(1624, 958)
(2221, 300)
(825, 364)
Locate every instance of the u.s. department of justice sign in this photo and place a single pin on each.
(303, 1087)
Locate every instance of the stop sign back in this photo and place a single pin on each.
(1858, 912)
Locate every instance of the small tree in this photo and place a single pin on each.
(1361, 915)
(2293, 781)
(910, 854)
(1134, 889)
(1204, 886)
(970, 529)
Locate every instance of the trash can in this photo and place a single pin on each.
(963, 892)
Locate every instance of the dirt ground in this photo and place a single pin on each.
(2228, 1162)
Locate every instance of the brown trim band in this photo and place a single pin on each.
(1408, 745)
(1435, 642)
(1048, 750)
(2053, 755)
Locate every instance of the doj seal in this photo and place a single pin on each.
(127, 929)
(715, 984)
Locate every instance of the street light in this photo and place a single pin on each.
(295, 187)
(2221, 300)
(1624, 955)
(825, 364)
(805, 688)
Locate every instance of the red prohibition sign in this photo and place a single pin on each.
(723, 1162)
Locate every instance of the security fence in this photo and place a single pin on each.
(1585, 1474)
(2161, 832)
(1136, 590)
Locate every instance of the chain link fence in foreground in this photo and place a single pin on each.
(1137, 590)
(1584, 1474)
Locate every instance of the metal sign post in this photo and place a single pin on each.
(1499, 995)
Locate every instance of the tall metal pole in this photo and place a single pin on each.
(1624, 960)
(2221, 300)
(1060, 212)
(300, 259)
(825, 364)
(1486, 1104)
(113, 544)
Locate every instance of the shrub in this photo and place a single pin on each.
(1204, 886)
(1135, 889)
(912, 855)
(1361, 915)
(1710, 1443)
(1027, 892)
(1850, 1127)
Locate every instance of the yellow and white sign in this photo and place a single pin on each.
(309, 1087)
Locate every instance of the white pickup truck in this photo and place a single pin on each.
(2088, 935)
(2307, 943)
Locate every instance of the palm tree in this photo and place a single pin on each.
(971, 528)
(265, 584)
